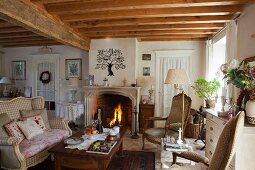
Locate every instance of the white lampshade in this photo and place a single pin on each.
(5, 80)
(74, 82)
(177, 76)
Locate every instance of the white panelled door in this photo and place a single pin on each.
(164, 92)
(50, 91)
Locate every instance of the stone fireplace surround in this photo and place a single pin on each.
(90, 93)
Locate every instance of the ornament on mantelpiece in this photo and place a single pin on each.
(124, 82)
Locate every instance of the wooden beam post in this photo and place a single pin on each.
(27, 16)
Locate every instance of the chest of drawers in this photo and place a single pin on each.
(245, 151)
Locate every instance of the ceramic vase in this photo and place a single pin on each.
(250, 111)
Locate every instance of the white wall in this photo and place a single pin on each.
(197, 63)
(246, 27)
(128, 49)
(65, 52)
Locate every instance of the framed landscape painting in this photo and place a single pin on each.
(19, 70)
(73, 68)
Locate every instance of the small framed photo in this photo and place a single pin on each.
(146, 57)
(73, 68)
(146, 71)
(19, 70)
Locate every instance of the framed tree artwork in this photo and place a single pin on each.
(73, 68)
(19, 70)
(146, 71)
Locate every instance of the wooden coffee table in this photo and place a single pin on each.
(80, 159)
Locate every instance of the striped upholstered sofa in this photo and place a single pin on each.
(16, 154)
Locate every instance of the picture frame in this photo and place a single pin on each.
(73, 68)
(146, 71)
(146, 57)
(19, 70)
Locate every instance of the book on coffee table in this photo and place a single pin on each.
(101, 147)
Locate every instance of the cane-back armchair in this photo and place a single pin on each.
(224, 151)
(172, 122)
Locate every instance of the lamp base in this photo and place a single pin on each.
(73, 96)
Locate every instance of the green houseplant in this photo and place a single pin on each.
(206, 90)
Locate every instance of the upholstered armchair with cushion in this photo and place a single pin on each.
(23, 149)
(224, 151)
(172, 122)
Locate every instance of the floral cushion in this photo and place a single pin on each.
(30, 128)
(41, 142)
(13, 130)
(38, 120)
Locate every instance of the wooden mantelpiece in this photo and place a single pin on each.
(90, 92)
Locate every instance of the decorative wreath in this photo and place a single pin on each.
(45, 77)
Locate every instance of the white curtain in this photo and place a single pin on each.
(231, 53)
(166, 91)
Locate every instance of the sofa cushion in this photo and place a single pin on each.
(30, 128)
(41, 142)
(13, 130)
(4, 119)
(33, 113)
(38, 120)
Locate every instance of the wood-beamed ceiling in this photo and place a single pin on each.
(166, 20)
(147, 20)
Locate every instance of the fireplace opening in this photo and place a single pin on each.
(115, 110)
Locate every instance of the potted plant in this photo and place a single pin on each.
(206, 90)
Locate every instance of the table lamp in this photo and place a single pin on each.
(178, 77)
(74, 82)
(5, 81)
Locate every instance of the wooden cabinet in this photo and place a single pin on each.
(146, 111)
(245, 154)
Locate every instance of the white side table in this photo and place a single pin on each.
(69, 111)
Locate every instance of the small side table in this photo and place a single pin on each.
(166, 157)
(69, 111)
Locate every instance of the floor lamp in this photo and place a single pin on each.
(178, 77)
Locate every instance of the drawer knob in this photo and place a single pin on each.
(211, 128)
(211, 140)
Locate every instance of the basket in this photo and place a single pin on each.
(192, 130)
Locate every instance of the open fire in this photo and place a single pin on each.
(117, 116)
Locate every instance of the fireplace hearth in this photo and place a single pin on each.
(92, 93)
(115, 110)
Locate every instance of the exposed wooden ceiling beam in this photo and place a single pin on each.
(173, 39)
(157, 12)
(158, 36)
(80, 7)
(29, 44)
(17, 35)
(25, 14)
(153, 27)
(5, 24)
(150, 21)
(148, 33)
(39, 38)
(12, 29)
(61, 1)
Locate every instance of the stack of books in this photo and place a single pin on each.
(174, 147)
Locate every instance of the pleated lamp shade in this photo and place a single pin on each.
(177, 76)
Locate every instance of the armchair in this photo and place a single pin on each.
(173, 121)
(225, 148)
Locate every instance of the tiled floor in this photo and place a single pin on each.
(136, 145)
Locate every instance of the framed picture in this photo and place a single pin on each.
(146, 71)
(73, 68)
(146, 57)
(19, 70)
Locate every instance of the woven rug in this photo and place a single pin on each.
(135, 160)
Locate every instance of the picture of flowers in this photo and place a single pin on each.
(73, 68)
(19, 70)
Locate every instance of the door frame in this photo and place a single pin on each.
(51, 58)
